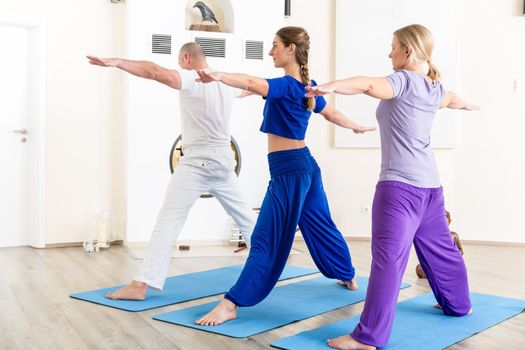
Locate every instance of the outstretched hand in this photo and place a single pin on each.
(362, 129)
(103, 62)
(319, 90)
(208, 77)
(469, 107)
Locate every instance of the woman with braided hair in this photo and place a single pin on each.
(295, 194)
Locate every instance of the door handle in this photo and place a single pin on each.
(21, 131)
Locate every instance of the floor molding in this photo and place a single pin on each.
(463, 241)
(76, 244)
(215, 242)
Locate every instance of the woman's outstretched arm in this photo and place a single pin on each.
(378, 87)
(453, 101)
(256, 85)
(335, 116)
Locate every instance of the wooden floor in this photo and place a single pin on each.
(36, 312)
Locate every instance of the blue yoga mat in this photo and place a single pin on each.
(418, 325)
(284, 305)
(178, 289)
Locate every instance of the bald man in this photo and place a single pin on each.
(207, 164)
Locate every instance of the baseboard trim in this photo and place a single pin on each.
(212, 242)
(77, 244)
(494, 243)
(190, 242)
(463, 241)
(358, 239)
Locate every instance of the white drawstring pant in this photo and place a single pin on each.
(199, 170)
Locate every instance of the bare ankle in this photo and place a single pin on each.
(352, 284)
(139, 284)
(229, 304)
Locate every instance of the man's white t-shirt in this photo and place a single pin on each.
(205, 111)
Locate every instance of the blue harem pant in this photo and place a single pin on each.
(295, 196)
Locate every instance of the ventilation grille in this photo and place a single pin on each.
(161, 43)
(253, 50)
(212, 47)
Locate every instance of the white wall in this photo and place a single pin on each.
(488, 166)
(85, 129)
(83, 112)
(481, 176)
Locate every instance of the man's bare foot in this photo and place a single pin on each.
(346, 342)
(437, 306)
(224, 311)
(134, 290)
(352, 285)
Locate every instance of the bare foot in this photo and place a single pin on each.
(346, 342)
(134, 290)
(224, 311)
(352, 285)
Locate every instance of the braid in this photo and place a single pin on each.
(305, 74)
(305, 77)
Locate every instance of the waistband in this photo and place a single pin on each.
(291, 161)
(205, 150)
(410, 188)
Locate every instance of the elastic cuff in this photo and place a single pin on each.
(353, 273)
(348, 278)
(457, 313)
(227, 296)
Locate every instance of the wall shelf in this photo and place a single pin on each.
(222, 9)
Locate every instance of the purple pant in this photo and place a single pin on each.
(402, 214)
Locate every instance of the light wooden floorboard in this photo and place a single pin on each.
(36, 312)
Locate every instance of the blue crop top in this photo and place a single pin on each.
(285, 112)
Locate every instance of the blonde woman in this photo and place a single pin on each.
(408, 204)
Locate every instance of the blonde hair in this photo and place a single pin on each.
(420, 40)
(299, 36)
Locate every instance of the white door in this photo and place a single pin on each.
(15, 136)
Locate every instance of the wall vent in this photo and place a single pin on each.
(213, 47)
(161, 43)
(253, 50)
